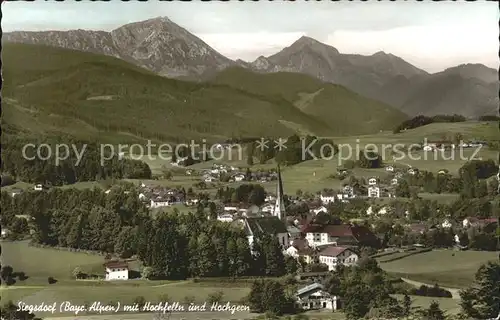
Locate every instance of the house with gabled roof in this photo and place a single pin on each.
(344, 234)
(256, 226)
(314, 296)
(333, 256)
(116, 270)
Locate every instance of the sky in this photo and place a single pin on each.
(430, 35)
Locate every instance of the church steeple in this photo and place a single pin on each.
(279, 207)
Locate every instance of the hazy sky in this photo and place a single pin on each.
(430, 35)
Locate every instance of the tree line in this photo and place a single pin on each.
(293, 151)
(421, 120)
(171, 245)
(32, 168)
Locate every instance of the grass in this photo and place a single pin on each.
(60, 264)
(92, 96)
(56, 263)
(448, 268)
(450, 306)
(334, 104)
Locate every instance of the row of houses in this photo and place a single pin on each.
(446, 144)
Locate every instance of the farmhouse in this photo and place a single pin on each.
(333, 256)
(226, 217)
(318, 210)
(116, 270)
(239, 177)
(372, 181)
(266, 225)
(314, 297)
(373, 192)
(160, 202)
(327, 198)
(317, 235)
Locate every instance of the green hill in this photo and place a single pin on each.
(345, 111)
(54, 91)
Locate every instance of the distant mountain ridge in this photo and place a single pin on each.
(157, 44)
(167, 49)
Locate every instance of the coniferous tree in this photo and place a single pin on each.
(482, 299)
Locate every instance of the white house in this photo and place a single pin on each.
(239, 177)
(369, 211)
(116, 270)
(373, 192)
(226, 217)
(327, 198)
(38, 187)
(394, 181)
(372, 181)
(267, 208)
(157, 203)
(209, 179)
(411, 171)
(332, 256)
(446, 224)
(314, 297)
(270, 198)
(231, 207)
(389, 168)
(320, 209)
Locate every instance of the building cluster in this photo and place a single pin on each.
(224, 173)
(435, 145)
(158, 196)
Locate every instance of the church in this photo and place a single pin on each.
(274, 224)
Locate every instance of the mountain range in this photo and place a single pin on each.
(53, 92)
(163, 47)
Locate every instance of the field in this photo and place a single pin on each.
(448, 268)
(40, 263)
(437, 266)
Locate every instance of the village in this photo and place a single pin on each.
(303, 237)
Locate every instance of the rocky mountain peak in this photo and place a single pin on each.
(305, 42)
(157, 44)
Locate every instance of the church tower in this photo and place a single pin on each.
(279, 207)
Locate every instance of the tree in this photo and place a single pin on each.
(369, 159)
(215, 297)
(147, 273)
(403, 189)
(212, 210)
(6, 272)
(406, 305)
(10, 311)
(291, 265)
(77, 273)
(482, 299)
(434, 312)
(255, 297)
